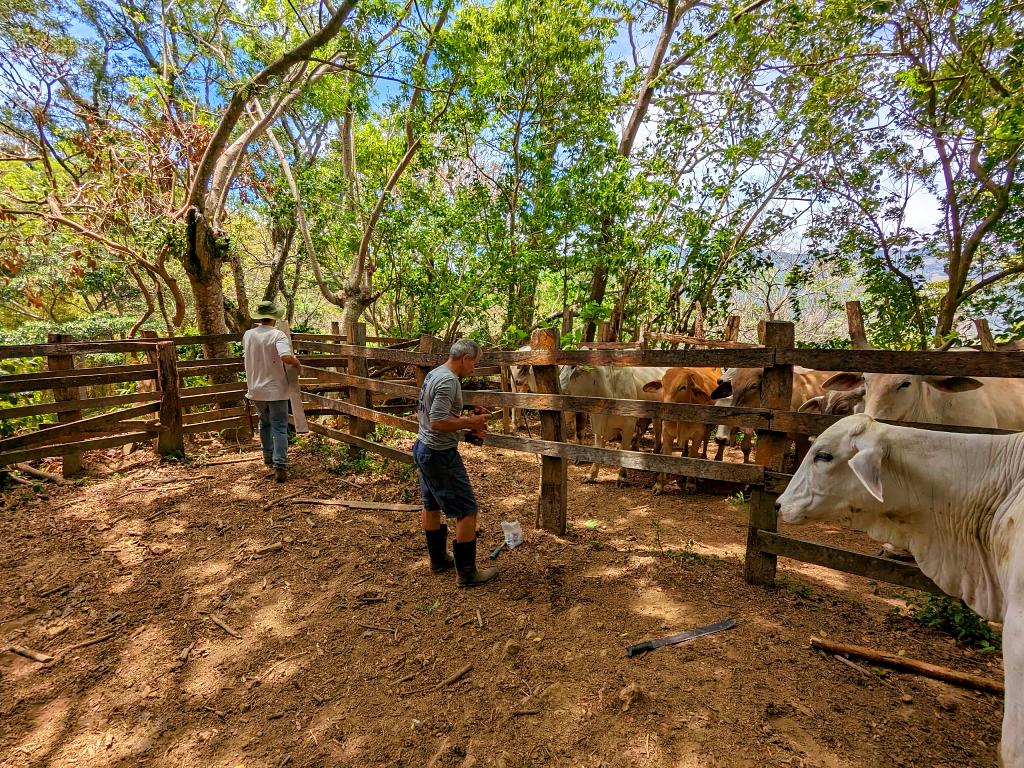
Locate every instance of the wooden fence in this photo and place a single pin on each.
(346, 368)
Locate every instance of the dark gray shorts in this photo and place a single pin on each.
(444, 483)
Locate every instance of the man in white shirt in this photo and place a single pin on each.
(267, 350)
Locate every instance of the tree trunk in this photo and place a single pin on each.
(203, 260)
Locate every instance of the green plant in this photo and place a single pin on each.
(955, 618)
(738, 499)
(687, 554)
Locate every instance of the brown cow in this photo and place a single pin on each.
(683, 385)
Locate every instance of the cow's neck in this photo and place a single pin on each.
(943, 492)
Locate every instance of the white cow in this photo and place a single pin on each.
(523, 380)
(961, 400)
(621, 383)
(956, 501)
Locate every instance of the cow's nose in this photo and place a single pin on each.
(778, 507)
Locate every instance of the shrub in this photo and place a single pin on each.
(955, 618)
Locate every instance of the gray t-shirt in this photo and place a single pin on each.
(440, 397)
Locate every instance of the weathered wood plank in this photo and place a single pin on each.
(86, 404)
(367, 445)
(551, 503)
(9, 351)
(745, 474)
(776, 393)
(7, 384)
(50, 434)
(218, 414)
(171, 439)
(341, 406)
(72, 374)
(877, 568)
(952, 363)
(215, 426)
(356, 395)
(63, 366)
(31, 454)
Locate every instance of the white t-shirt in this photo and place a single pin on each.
(262, 348)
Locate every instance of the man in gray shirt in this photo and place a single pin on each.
(444, 483)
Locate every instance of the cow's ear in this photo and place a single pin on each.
(867, 466)
(652, 386)
(813, 405)
(843, 382)
(723, 390)
(953, 383)
(698, 391)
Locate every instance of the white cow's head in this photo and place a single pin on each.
(840, 477)
(899, 396)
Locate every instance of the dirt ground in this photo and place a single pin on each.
(346, 640)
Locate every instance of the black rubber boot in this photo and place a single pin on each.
(437, 546)
(468, 575)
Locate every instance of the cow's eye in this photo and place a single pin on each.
(822, 456)
(903, 385)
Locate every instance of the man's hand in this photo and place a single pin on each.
(477, 423)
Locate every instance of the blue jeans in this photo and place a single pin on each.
(273, 431)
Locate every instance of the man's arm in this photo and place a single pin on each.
(456, 423)
(291, 360)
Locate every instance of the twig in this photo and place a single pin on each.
(270, 504)
(54, 590)
(223, 625)
(28, 653)
(232, 461)
(852, 664)
(377, 629)
(187, 652)
(518, 712)
(479, 619)
(456, 677)
(354, 504)
(277, 545)
(407, 678)
(87, 643)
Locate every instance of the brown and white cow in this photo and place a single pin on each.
(683, 385)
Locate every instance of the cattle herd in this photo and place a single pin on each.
(953, 501)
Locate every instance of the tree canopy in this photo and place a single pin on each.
(483, 169)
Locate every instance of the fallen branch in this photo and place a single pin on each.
(28, 653)
(224, 625)
(87, 643)
(518, 712)
(28, 469)
(975, 682)
(352, 504)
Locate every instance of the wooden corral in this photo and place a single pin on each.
(341, 376)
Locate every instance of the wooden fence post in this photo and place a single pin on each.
(988, 344)
(171, 439)
(776, 393)
(732, 328)
(361, 397)
(71, 463)
(553, 471)
(506, 386)
(855, 324)
(430, 345)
